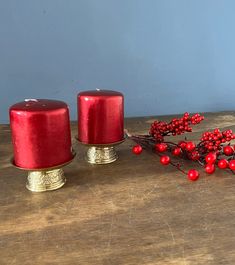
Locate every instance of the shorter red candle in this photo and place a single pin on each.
(100, 117)
(40, 133)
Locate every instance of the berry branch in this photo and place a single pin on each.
(213, 149)
(177, 126)
(143, 144)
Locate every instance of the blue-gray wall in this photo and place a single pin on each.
(166, 56)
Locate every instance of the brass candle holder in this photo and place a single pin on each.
(101, 154)
(45, 179)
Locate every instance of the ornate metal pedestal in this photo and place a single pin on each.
(45, 179)
(100, 154)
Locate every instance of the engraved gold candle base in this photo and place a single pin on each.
(39, 181)
(101, 155)
(45, 179)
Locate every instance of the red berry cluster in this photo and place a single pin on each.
(211, 141)
(177, 126)
(188, 149)
(177, 150)
(211, 152)
(212, 159)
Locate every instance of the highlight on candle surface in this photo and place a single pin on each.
(100, 116)
(40, 133)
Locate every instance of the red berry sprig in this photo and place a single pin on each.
(212, 141)
(176, 126)
(214, 149)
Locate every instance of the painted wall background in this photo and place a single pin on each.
(166, 56)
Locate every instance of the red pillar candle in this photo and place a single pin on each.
(40, 133)
(100, 117)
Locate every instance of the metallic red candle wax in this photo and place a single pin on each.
(100, 117)
(40, 133)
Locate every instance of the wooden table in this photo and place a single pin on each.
(133, 211)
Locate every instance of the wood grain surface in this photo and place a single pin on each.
(133, 211)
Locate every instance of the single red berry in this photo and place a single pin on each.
(232, 164)
(190, 146)
(210, 148)
(176, 151)
(193, 174)
(211, 158)
(161, 147)
(228, 150)
(182, 144)
(195, 155)
(165, 160)
(210, 168)
(223, 163)
(137, 149)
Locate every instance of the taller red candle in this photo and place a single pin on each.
(100, 117)
(40, 133)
